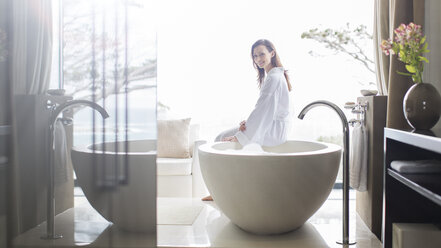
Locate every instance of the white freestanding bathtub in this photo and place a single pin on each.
(270, 192)
(131, 205)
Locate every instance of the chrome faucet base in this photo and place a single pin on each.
(345, 125)
(346, 242)
(56, 110)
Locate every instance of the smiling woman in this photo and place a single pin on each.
(268, 123)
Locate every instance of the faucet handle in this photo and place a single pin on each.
(357, 111)
(67, 121)
(352, 122)
(349, 105)
(50, 104)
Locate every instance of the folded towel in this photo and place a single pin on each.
(60, 154)
(416, 166)
(358, 158)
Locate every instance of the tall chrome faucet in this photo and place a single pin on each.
(55, 111)
(345, 240)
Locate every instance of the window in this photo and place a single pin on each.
(98, 42)
(205, 70)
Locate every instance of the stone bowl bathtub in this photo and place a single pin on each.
(130, 205)
(273, 191)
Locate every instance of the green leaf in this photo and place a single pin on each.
(425, 46)
(404, 73)
(410, 68)
(421, 58)
(423, 40)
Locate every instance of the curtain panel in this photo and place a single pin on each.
(29, 66)
(31, 46)
(389, 14)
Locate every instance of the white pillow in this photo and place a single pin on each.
(173, 138)
(193, 136)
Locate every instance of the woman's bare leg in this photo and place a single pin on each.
(207, 198)
(224, 134)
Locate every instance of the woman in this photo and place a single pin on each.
(268, 123)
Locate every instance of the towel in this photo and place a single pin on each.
(60, 153)
(417, 166)
(358, 158)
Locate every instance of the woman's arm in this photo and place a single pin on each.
(242, 126)
(230, 138)
(261, 118)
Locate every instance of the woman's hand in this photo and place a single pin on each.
(230, 138)
(242, 126)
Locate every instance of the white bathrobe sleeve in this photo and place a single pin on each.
(261, 119)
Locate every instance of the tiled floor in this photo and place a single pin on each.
(83, 226)
(213, 229)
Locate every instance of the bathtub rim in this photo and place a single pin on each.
(330, 148)
(88, 148)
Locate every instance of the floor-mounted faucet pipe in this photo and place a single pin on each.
(345, 240)
(55, 111)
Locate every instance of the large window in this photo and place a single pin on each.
(205, 70)
(100, 40)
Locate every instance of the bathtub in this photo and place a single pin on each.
(270, 192)
(131, 205)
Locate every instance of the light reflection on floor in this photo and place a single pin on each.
(82, 226)
(213, 229)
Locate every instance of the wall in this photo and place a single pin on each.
(432, 29)
(4, 89)
(4, 108)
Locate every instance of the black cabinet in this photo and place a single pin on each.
(410, 198)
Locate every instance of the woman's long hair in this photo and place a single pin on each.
(275, 61)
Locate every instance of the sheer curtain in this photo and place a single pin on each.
(30, 49)
(389, 14)
(381, 32)
(31, 46)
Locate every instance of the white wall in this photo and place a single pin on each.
(4, 89)
(4, 106)
(432, 29)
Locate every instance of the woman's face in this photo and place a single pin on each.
(262, 57)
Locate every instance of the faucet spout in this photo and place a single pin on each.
(345, 124)
(327, 104)
(76, 103)
(56, 111)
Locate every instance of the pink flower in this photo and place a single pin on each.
(386, 46)
(407, 44)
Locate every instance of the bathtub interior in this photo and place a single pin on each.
(287, 147)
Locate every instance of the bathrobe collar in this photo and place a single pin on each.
(276, 70)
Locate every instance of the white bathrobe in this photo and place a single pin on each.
(268, 124)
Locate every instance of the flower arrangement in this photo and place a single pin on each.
(3, 51)
(410, 45)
